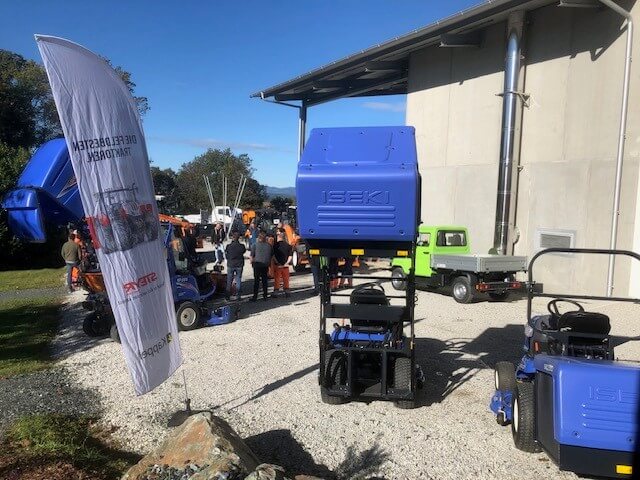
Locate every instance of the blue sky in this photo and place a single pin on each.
(198, 62)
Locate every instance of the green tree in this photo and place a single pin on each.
(28, 115)
(165, 184)
(216, 164)
(281, 203)
(28, 118)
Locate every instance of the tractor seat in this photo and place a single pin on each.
(590, 323)
(575, 324)
(368, 296)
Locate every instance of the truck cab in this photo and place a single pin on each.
(439, 240)
(443, 258)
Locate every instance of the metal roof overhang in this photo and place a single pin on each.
(384, 68)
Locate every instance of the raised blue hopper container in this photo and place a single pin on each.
(46, 193)
(359, 183)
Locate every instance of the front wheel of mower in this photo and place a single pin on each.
(505, 377)
(114, 334)
(462, 290)
(335, 374)
(88, 325)
(331, 399)
(523, 427)
(188, 316)
(402, 373)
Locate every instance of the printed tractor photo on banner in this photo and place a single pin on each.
(122, 222)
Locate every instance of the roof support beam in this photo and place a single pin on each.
(364, 88)
(473, 39)
(384, 65)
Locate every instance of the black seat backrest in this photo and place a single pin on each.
(591, 323)
(368, 296)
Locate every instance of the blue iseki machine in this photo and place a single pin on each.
(569, 396)
(358, 194)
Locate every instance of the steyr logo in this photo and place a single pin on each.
(132, 287)
(357, 197)
(151, 351)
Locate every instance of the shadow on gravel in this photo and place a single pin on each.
(281, 448)
(270, 387)
(71, 338)
(447, 364)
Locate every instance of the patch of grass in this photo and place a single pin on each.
(48, 440)
(26, 328)
(13, 280)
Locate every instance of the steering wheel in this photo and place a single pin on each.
(552, 306)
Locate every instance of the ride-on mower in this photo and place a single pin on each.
(569, 396)
(358, 195)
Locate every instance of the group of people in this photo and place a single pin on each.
(263, 253)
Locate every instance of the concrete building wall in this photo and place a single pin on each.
(573, 74)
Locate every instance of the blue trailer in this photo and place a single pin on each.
(358, 195)
(569, 396)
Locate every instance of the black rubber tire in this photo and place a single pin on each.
(398, 273)
(402, 373)
(114, 334)
(499, 296)
(331, 399)
(188, 316)
(505, 377)
(461, 290)
(88, 325)
(523, 428)
(335, 374)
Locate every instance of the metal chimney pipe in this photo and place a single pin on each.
(511, 106)
(622, 133)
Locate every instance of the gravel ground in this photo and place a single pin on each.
(48, 391)
(260, 374)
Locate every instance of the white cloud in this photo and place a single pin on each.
(385, 106)
(221, 144)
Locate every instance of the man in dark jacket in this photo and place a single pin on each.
(71, 254)
(261, 254)
(235, 262)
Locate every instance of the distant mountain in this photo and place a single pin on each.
(281, 192)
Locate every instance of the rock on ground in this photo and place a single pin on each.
(204, 444)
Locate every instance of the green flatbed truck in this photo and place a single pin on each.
(443, 258)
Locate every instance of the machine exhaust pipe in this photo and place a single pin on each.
(509, 143)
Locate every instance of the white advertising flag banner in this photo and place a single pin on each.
(104, 135)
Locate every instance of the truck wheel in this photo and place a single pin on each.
(402, 380)
(398, 279)
(335, 374)
(188, 316)
(114, 334)
(461, 288)
(523, 427)
(499, 296)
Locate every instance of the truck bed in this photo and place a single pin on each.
(479, 263)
